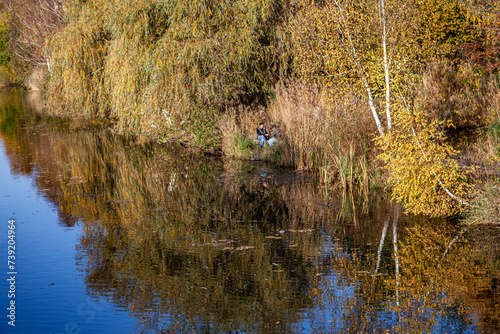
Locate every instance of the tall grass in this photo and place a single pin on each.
(331, 139)
(486, 206)
(458, 96)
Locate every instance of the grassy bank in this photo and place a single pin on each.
(335, 140)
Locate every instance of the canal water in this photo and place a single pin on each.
(114, 234)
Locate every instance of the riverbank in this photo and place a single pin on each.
(337, 143)
(334, 144)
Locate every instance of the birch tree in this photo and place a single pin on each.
(356, 43)
(373, 46)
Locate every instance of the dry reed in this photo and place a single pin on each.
(333, 139)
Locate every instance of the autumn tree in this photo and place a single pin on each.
(376, 49)
(423, 173)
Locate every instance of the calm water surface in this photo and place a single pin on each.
(114, 235)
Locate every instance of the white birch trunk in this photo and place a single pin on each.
(386, 66)
(361, 70)
(381, 244)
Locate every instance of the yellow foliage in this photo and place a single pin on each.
(417, 31)
(422, 170)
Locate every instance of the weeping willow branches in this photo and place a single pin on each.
(161, 66)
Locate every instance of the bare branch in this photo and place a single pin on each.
(33, 21)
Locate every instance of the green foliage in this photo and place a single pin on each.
(320, 41)
(241, 147)
(154, 65)
(422, 170)
(6, 74)
(4, 42)
(204, 127)
(494, 137)
(494, 131)
(244, 143)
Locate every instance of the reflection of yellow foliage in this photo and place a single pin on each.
(441, 268)
(167, 234)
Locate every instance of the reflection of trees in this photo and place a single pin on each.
(191, 244)
(442, 269)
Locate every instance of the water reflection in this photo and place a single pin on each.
(189, 243)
